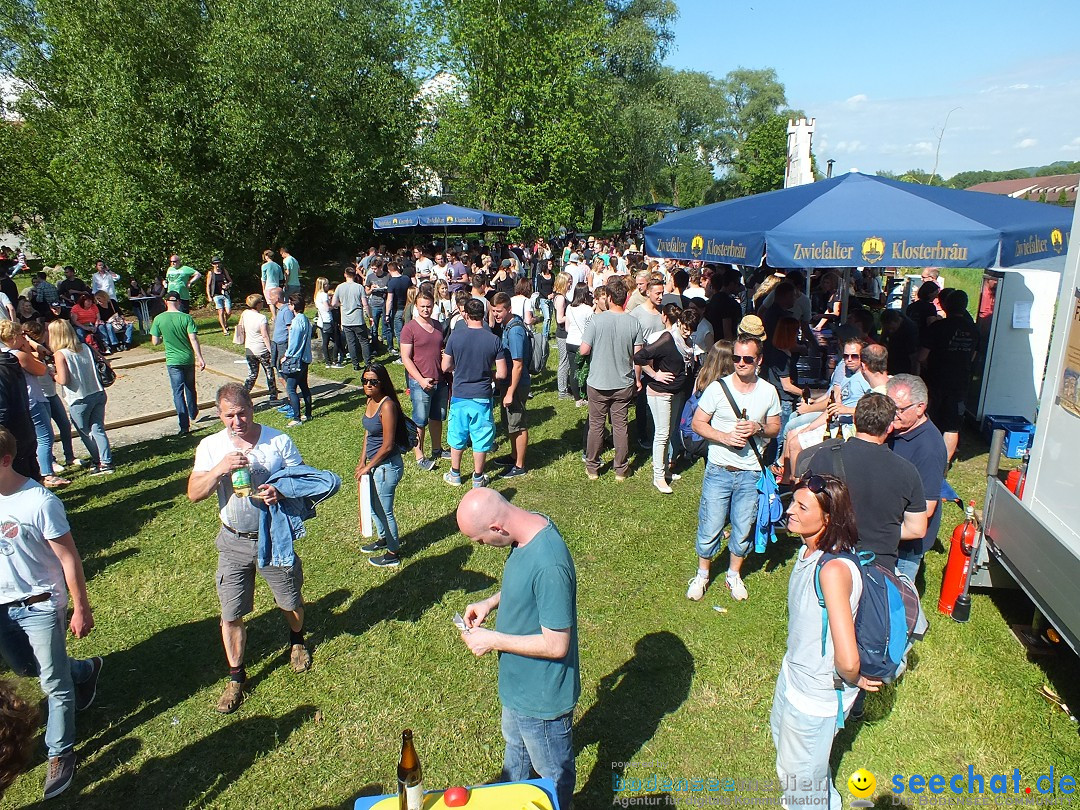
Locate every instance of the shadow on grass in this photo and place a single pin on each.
(179, 661)
(196, 775)
(634, 698)
(407, 595)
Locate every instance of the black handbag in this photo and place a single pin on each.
(105, 374)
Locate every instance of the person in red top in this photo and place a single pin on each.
(85, 317)
(421, 352)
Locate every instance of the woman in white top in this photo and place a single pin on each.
(805, 715)
(444, 304)
(38, 337)
(77, 374)
(577, 315)
(521, 302)
(561, 286)
(252, 327)
(324, 319)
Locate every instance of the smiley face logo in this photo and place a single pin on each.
(861, 784)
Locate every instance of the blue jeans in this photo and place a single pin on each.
(379, 319)
(803, 744)
(294, 381)
(544, 746)
(725, 494)
(548, 308)
(39, 415)
(32, 642)
(428, 406)
(63, 426)
(908, 560)
(110, 338)
(182, 380)
(399, 324)
(88, 416)
(384, 481)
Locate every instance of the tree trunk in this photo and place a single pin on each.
(598, 218)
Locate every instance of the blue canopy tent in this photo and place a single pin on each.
(857, 220)
(658, 207)
(448, 219)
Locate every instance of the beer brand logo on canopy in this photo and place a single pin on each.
(873, 249)
(395, 220)
(1057, 240)
(449, 220)
(697, 244)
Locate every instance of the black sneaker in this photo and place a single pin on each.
(87, 690)
(60, 774)
(444, 453)
(512, 472)
(426, 464)
(374, 548)
(387, 560)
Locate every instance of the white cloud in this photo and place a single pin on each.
(849, 147)
(1072, 146)
(856, 100)
(1027, 143)
(921, 148)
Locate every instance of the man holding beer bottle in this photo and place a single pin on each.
(535, 634)
(235, 463)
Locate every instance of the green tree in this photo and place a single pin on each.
(201, 129)
(762, 159)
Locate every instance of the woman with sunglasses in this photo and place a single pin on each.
(804, 711)
(380, 456)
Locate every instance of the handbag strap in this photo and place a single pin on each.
(735, 410)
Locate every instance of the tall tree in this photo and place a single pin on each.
(199, 128)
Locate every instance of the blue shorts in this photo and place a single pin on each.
(428, 405)
(222, 302)
(471, 419)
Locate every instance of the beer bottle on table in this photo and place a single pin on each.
(410, 777)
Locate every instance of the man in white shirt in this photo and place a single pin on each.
(423, 265)
(729, 489)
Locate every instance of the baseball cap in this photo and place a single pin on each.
(216, 260)
(506, 263)
(172, 295)
(752, 325)
(574, 257)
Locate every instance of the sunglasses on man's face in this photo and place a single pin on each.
(747, 359)
(853, 357)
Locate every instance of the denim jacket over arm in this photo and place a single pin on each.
(300, 488)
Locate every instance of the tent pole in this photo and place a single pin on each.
(845, 280)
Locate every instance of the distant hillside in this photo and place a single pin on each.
(968, 179)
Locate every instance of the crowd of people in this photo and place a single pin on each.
(864, 458)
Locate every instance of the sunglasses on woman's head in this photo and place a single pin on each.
(814, 483)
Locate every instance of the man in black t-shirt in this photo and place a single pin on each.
(723, 310)
(397, 287)
(901, 336)
(946, 357)
(71, 286)
(886, 490)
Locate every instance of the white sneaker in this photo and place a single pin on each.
(662, 486)
(697, 588)
(737, 588)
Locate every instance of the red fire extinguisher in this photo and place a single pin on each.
(956, 570)
(1014, 481)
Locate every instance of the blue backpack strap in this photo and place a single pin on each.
(825, 627)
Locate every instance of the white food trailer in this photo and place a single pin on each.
(1036, 538)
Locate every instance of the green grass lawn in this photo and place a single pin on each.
(664, 680)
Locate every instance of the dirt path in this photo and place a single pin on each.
(140, 403)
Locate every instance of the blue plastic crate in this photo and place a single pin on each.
(1019, 433)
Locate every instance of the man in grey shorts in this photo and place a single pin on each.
(262, 451)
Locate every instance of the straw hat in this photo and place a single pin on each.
(751, 325)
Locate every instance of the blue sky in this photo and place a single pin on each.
(881, 78)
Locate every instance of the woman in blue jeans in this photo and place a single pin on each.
(297, 358)
(85, 398)
(34, 369)
(380, 457)
(39, 338)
